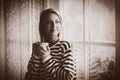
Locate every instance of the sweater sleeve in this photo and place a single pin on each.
(65, 68)
(33, 65)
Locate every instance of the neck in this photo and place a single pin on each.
(52, 40)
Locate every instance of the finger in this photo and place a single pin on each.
(48, 48)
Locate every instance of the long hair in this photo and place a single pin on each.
(43, 16)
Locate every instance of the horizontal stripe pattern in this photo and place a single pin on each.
(60, 66)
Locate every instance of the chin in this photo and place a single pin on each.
(54, 34)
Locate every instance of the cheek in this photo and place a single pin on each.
(47, 28)
(59, 28)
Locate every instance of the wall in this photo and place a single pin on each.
(19, 30)
(2, 42)
(117, 75)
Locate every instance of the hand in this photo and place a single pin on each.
(42, 49)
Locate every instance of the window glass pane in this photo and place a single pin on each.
(72, 12)
(101, 62)
(79, 58)
(101, 20)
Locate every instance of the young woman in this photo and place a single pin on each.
(51, 59)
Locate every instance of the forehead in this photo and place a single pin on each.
(52, 16)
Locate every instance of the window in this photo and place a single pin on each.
(90, 26)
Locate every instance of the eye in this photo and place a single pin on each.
(57, 21)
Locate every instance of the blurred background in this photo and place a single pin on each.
(90, 25)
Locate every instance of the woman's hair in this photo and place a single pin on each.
(43, 16)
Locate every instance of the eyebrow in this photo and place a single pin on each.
(51, 19)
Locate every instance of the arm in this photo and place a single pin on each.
(34, 63)
(63, 70)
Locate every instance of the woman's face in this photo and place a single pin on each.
(52, 25)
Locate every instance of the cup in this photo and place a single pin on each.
(44, 45)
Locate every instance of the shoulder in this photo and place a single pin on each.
(66, 45)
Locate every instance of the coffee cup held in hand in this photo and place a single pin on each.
(44, 45)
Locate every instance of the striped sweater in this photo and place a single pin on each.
(59, 66)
